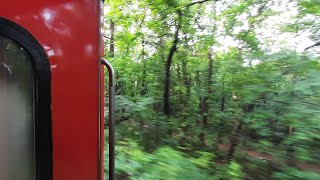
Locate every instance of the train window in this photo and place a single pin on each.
(17, 119)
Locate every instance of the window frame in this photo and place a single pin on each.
(42, 95)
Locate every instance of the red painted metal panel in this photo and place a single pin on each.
(68, 30)
(102, 90)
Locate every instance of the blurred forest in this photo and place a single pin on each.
(215, 89)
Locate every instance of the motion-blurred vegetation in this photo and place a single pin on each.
(216, 89)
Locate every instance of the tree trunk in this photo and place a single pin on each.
(180, 84)
(166, 94)
(143, 84)
(236, 132)
(223, 99)
(222, 109)
(205, 104)
(186, 78)
(234, 139)
(144, 70)
(112, 27)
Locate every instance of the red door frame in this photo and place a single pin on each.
(70, 34)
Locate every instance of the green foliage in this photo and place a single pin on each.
(164, 163)
(310, 6)
(170, 164)
(204, 161)
(244, 102)
(292, 173)
(234, 171)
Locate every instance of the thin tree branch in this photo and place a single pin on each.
(106, 36)
(197, 2)
(252, 26)
(316, 44)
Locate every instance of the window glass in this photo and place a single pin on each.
(17, 151)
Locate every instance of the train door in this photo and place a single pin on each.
(51, 90)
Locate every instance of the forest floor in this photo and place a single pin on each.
(259, 155)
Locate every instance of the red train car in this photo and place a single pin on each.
(51, 90)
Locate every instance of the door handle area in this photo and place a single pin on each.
(111, 89)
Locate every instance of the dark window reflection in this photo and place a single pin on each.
(17, 153)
